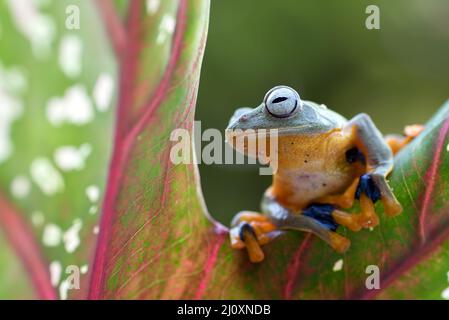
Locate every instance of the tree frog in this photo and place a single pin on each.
(324, 163)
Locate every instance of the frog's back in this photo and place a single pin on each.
(336, 120)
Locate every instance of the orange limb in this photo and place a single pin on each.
(253, 248)
(345, 200)
(260, 223)
(350, 221)
(252, 237)
(397, 142)
(338, 242)
(391, 207)
(368, 216)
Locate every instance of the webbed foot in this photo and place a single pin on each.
(251, 230)
(320, 219)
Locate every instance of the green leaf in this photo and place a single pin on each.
(51, 156)
(145, 190)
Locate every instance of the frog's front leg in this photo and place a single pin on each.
(379, 160)
(251, 230)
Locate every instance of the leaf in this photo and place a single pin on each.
(158, 244)
(53, 158)
(145, 190)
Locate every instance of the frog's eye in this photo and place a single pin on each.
(282, 101)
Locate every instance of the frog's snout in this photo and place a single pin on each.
(239, 116)
(236, 126)
(238, 123)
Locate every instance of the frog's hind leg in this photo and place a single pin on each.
(397, 142)
(307, 224)
(363, 190)
(345, 201)
(251, 230)
(351, 221)
(317, 219)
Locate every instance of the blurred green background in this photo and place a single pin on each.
(398, 74)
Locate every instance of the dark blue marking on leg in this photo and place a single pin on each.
(244, 228)
(368, 187)
(322, 213)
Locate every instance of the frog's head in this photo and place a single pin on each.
(282, 109)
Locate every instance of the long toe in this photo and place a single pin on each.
(340, 243)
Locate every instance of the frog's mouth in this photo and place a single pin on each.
(252, 142)
(231, 134)
(240, 139)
